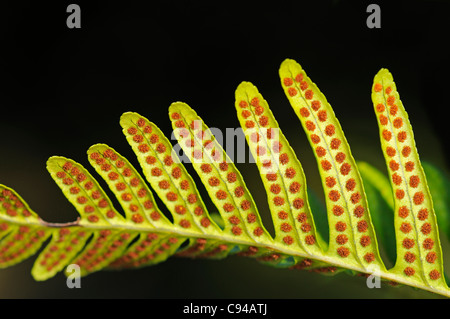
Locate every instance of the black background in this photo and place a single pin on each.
(65, 89)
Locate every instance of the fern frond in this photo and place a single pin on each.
(143, 234)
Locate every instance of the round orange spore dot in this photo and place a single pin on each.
(326, 165)
(398, 122)
(258, 231)
(185, 223)
(343, 252)
(337, 210)
(164, 184)
(409, 166)
(304, 112)
(369, 257)
(171, 196)
(299, 77)
(377, 87)
(387, 135)
(282, 215)
(278, 201)
(263, 120)
(341, 239)
(284, 158)
(401, 136)
(414, 181)
(406, 151)
(137, 218)
(322, 115)
(423, 214)
(176, 172)
(298, 203)
(345, 169)
(310, 239)
(383, 119)
(315, 105)
(409, 257)
(228, 207)
(380, 107)
(303, 85)
(309, 94)
(362, 226)
(405, 227)
(393, 165)
(93, 218)
(330, 181)
(434, 274)
(310, 126)
(292, 91)
(306, 228)
(396, 179)
(239, 191)
(288, 240)
(245, 205)
(388, 90)
(335, 143)
(399, 193)
(334, 195)
(364, 241)
(243, 104)
(320, 151)
(275, 188)
(418, 198)
(358, 211)
(409, 271)
(254, 101)
(431, 257)
(285, 227)
(428, 244)
(206, 168)
(426, 228)
(251, 218)
(340, 226)
(179, 124)
(350, 184)
(288, 81)
(205, 222)
(290, 172)
(160, 148)
(236, 230)
(408, 243)
(223, 166)
(390, 151)
(246, 113)
(393, 110)
(132, 130)
(340, 157)
(192, 198)
(390, 100)
(301, 217)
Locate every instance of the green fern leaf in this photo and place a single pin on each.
(352, 237)
(419, 255)
(280, 170)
